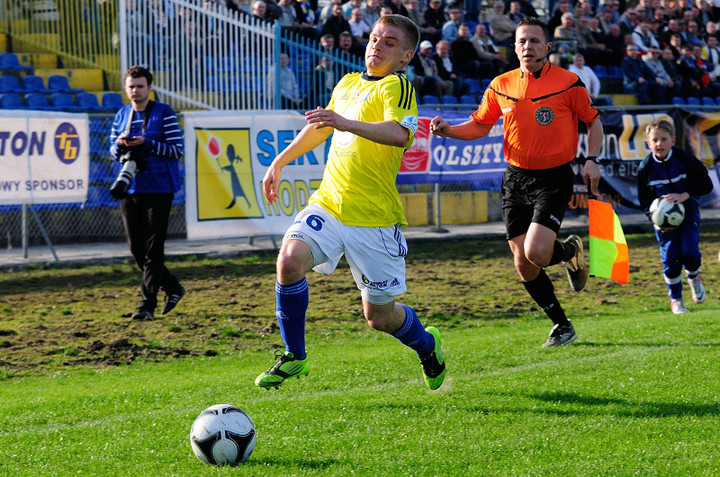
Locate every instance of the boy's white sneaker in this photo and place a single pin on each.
(697, 289)
(677, 306)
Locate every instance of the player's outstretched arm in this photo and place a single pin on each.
(389, 133)
(308, 139)
(466, 131)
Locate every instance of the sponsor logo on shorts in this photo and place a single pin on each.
(381, 285)
(544, 116)
(554, 219)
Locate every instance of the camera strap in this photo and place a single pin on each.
(148, 108)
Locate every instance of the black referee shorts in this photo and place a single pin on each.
(539, 196)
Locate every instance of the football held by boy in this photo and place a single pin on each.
(356, 211)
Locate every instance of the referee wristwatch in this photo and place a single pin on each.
(592, 159)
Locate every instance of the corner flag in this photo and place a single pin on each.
(608, 248)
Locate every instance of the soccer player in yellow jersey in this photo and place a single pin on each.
(540, 105)
(357, 210)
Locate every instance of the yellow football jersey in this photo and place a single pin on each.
(358, 185)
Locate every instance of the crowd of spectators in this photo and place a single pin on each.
(662, 48)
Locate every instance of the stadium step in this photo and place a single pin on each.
(88, 79)
(623, 99)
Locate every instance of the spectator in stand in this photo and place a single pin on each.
(564, 54)
(273, 11)
(614, 46)
(589, 79)
(711, 54)
(487, 50)
(596, 31)
(711, 29)
(464, 57)
(696, 79)
(327, 10)
(643, 37)
(501, 27)
(515, 13)
(327, 43)
(653, 60)
(385, 10)
(566, 32)
(446, 67)
(427, 32)
(345, 45)
(350, 6)
(290, 22)
(336, 24)
(605, 20)
(673, 26)
(289, 90)
(450, 28)
(554, 59)
(323, 82)
(690, 36)
(428, 80)
(561, 8)
(587, 46)
(661, 19)
(527, 9)
(435, 17)
(612, 6)
(628, 21)
(675, 44)
(371, 11)
(306, 13)
(638, 79)
(259, 11)
(397, 7)
(359, 30)
(703, 12)
(670, 65)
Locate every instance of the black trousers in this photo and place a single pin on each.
(146, 217)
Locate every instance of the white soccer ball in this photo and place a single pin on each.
(666, 215)
(223, 434)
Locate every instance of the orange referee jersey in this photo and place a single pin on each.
(540, 115)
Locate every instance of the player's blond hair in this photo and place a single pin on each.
(411, 38)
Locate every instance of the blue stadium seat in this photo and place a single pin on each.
(88, 102)
(614, 72)
(99, 173)
(34, 84)
(485, 83)
(112, 101)
(430, 99)
(215, 83)
(708, 101)
(474, 86)
(11, 101)
(448, 99)
(693, 101)
(11, 84)
(600, 71)
(38, 101)
(60, 84)
(64, 101)
(9, 61)
(678, 101)
(468, 99)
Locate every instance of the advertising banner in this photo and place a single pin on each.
(44, 157)
(224, 182)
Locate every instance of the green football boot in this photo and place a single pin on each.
(286, 367)
(434, 365)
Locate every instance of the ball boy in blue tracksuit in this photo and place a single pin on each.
(679, 177)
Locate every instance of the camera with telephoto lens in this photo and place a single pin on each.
(132, 162)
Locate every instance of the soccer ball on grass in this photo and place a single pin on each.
(666, 215)
(223, 434)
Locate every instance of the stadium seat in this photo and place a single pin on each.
(99, 173)
(708, 101)
(11, 101)
(215, 83)
(88, 102)
(468, 99)
(9, 61)
(600, 71)
(485, 83)
(693, 101)
(60, 84)
(34, 84)
(614, 72)
(11, 84)
(38, 101)
(112, 101)
(678, 101)
(473, 86)
(64, 102)
(448, 99)
(430, 99)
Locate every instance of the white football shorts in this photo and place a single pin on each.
(376, 255)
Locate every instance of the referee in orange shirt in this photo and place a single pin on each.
(540, 105)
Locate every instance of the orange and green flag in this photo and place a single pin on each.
(608, 248)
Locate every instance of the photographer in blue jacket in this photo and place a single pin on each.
(146, 138)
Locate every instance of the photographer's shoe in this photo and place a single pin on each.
(171, 300)
(143, 314)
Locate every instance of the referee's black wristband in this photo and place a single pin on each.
(592, 159)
